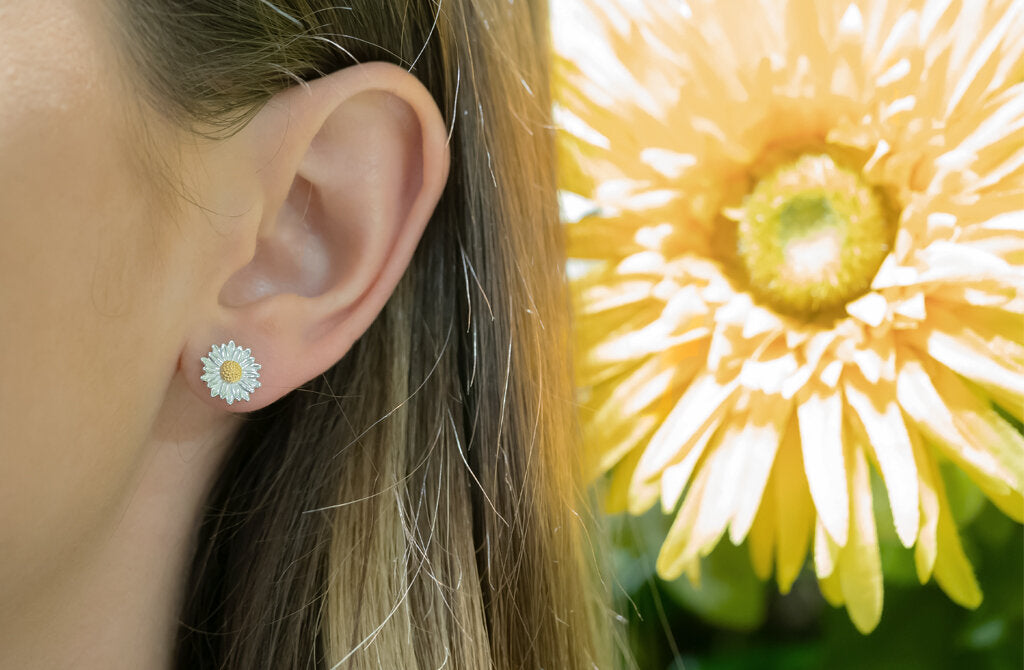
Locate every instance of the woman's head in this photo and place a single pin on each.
(184, 173)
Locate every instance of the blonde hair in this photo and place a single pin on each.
(418, 505)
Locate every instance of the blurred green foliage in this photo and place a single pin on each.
(733, 621)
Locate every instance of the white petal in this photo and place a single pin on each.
(826, 551)
(762, 433)
(887, 437)
(976, 364)
(675, 477)
(925, 406)
(871, 308)
(820, 418)
(704, 400)
(724, 466)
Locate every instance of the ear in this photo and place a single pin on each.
(348, 170)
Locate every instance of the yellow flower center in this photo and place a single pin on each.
(230, 371)
(811, 235)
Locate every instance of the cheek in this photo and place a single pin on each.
(88, 332)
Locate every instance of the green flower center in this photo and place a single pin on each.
(811, 236)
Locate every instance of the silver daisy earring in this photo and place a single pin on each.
(231, 372)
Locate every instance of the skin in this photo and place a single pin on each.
(294, 234)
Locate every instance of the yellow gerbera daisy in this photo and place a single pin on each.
(805, 257)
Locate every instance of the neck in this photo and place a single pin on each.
(116, 603)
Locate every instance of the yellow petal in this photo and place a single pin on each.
(611, 443)
(673, 559)
(952, 571)
(619, 491)
(887, 436)
(826, 551)
(594, 298)
(761, 539)
(956, 421)
(927, 539)
(860, 564)
(976, 419)
(641, 496)
(724, 464)
(627, 405)
(794, 511)
(658, 335)
(704, 402)
(1002, 330)
(831, 589)
(975, 362)
(675, 477)
(769, 415)
(820, 417)
(592, 237)
(977, 73)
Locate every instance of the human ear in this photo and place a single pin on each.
(347, 170)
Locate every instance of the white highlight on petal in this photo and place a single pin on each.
(820, 420)
(869, 308)
(578, 127)
(703, 402)
(762, 433)
(826, 551)
(671, 164)
(898, 71)
(852, 23)
(887, 436)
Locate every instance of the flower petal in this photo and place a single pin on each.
(860, 563)
(831, 589)
(762, 432)
(619, 491)
(673, 559)
(926, 547)
(675, 477)
(826, 551)
(977, 364)
(794, 511)
(887, 436)
(820, 417)
(952, 571)
(967, 431)
(761, 540)
(621, 440)
(703, 402)
(723, 464)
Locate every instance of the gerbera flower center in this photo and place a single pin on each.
(230, 371)
(811, 235)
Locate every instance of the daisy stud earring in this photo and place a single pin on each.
(230, 372)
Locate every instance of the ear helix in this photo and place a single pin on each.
(230, 372)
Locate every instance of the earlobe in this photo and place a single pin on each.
(350, 168)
